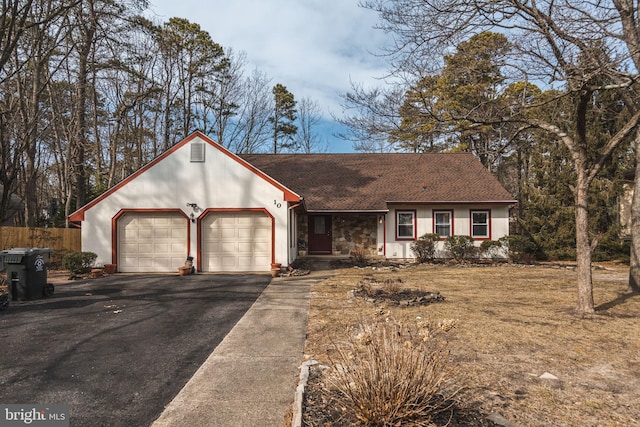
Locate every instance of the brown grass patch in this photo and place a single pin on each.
(505, 327)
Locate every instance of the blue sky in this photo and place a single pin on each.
(313, 47)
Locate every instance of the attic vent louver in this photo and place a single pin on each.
(197, 152)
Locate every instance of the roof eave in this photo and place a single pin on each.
(451, 202)
(327, 211)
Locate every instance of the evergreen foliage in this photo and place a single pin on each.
(459, 247)
(79, 262)
(425, 247)
(282, 120)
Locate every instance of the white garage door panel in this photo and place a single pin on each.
(228, 233)
(151, 242)
(145, 233)
(228, 247)
(229, 262)
(177, 247)
(238, 241)
(127, 262)
(161, 233)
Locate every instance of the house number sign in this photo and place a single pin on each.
(275, 202)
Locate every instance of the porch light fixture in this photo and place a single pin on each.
(380, 219)
(194, 207)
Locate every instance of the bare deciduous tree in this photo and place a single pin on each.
(582, 48)
(371, 115)
(307, 139)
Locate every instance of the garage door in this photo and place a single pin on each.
(151, 242)
(238, 241)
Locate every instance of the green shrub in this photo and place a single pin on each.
(520, 248)
(492, 248)
(611, 248)
(561, 254)
(425, 247)
(460, 247)
(79, 262)
(56, 258)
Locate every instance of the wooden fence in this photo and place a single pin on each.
(58, 239)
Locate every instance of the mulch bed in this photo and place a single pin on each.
(391, 292)
(321, 407)
(404, 297)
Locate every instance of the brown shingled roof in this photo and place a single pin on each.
(367, 182)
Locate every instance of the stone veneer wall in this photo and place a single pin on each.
(303, 230)
(355, 231)
(350, 231)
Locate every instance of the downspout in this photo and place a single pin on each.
(384, 236)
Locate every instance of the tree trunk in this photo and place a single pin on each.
(634, 268)
(634, 262)
(583, 248)
(80, 138)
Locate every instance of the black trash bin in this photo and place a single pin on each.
(4, 293)
(27, 273)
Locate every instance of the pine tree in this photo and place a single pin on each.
(284, 114)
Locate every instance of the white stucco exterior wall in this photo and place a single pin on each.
(220, 182)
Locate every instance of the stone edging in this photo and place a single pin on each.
(297, 403)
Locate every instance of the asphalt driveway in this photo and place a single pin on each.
(117, 349)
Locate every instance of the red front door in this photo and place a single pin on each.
(319, 234)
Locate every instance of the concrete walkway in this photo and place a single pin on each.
(251, 377)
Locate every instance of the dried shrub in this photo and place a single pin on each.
(359, 256)
(366, 287)
(392, 286)
(369, 286)
(389, 374)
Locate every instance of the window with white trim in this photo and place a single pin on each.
(442, 223)
(480, 224)
(405, 225)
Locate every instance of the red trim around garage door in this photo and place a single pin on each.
(114, 227)
(218, 210)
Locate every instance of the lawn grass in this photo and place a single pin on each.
(506, 326)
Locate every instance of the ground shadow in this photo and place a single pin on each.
(621, 299)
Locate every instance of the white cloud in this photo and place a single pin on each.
(313, 47)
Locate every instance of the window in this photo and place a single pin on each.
(480, 224)
(443, 223)
(405, 225)
(319, 225)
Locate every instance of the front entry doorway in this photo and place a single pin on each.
(320, 236)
